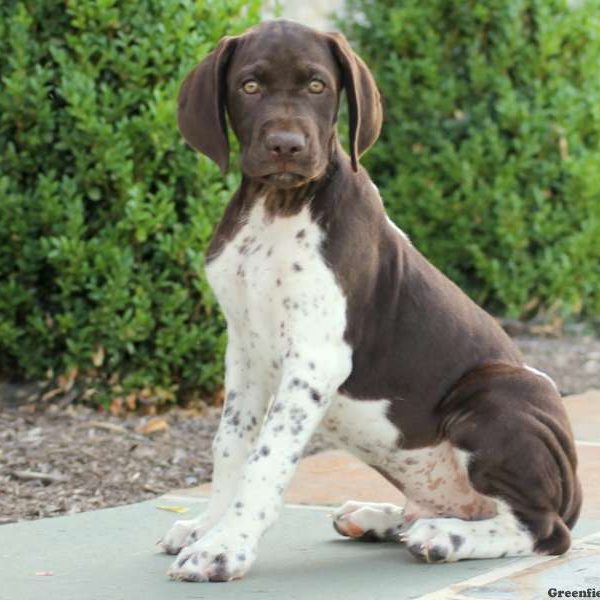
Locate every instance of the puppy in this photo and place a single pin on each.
(336, 321)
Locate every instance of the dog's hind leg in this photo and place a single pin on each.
(513, 426)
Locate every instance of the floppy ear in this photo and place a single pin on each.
(201, 105)
(364, 102)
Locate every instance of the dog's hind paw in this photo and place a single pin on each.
(368, 521)
(450, 539)
(429, 542)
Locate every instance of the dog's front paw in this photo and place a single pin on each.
(212, 559)
(183, 533)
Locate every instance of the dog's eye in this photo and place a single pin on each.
(250, 86)
(316, 86)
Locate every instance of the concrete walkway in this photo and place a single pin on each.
(111, 554)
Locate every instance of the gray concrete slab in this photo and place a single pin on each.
(110, 555)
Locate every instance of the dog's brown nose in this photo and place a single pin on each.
(285, 144)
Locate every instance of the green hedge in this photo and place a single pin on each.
(489, 159)
(490, 153)
(104, 212)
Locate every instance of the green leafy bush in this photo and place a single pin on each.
(104, 212)
(490, 153)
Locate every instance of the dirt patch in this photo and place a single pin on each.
(64, 461)
(72, 459)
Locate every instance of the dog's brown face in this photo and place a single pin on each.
(283, 87)
(280, 84)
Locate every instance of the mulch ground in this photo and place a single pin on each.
(68, 459)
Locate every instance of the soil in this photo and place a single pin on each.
(67, 458)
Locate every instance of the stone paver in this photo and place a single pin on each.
(111, 555)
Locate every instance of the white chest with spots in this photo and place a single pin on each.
(279, 297)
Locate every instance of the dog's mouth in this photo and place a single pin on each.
(284, 179)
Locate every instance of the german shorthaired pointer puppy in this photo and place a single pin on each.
(337, 322)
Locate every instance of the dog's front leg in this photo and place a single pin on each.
(244, 408)
(228, 549)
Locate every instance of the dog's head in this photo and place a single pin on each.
(280, 84)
